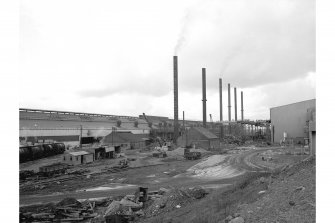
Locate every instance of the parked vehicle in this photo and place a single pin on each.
(38, 151)
(191, 155)
(52, 169)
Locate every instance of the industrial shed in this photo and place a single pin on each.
(114, 139)
(126, 140)
(293, 122)
(105, 152)
(200, 137)
(77, 158)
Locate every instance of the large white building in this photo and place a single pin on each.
(69, 127)
(294, 121)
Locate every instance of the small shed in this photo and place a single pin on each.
(200, 137)
(105, 152)
(79, 157)
(126, 140)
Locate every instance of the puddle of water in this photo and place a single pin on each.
(214, 186)
(111, 186)
(92, 199)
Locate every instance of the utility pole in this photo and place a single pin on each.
(81, 135)
(204, 99)
(221, 118)
(183, 120)
(235, 98)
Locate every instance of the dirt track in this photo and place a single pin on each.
(215, 170)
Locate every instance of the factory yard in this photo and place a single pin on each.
(106, 180)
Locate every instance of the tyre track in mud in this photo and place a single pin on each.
(242, 162)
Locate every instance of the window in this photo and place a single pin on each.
(70, 157)
(77, 158)
(64, 157)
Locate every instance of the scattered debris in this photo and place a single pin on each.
(69, 202)
(229, 218)
(69, 209)
(300, 188)
(173, 198)
(236, 215)
(159, 154)
(237, 220)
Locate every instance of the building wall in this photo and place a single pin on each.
(74, 160)
(290, 119)
(89, 158)
(200, 143)
(312, 136)
(215, 143)
(65, 128)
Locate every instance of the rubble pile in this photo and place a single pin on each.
(127, 208)
(231, 139)
(78, 171)
(172, 199)
(26, 174)
(69, 209)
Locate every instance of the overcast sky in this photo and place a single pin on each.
(115, 57)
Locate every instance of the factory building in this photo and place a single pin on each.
(77, 158)
(72, 127)
(294, 122)
(126, 140)
(199, 137)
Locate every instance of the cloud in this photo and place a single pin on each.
(150, 85)
(117, 56)
(249, 43)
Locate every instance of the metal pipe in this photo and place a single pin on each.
(220, 89)
(229, 105)
(183, 120)
(242, 111)
(235, 97)
(175, 91)
(221, 118)
(204, 113)
(81, 136)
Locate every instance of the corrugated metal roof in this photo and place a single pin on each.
(79, 153)
(110, 149)
(124, 137)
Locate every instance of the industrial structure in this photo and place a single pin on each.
(78, 128)
(200, 137)
(204, 99)
(221, 115)
(294, 122)
(175, 93)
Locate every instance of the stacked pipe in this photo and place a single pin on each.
(242, 111)
(235, 98)
(175, 91)
(229, 106)
(204, 113)
(221, 118)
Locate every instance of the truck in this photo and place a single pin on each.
(191, 155)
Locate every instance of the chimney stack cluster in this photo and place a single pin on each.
(204, 100)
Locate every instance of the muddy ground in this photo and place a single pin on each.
(214, 170)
